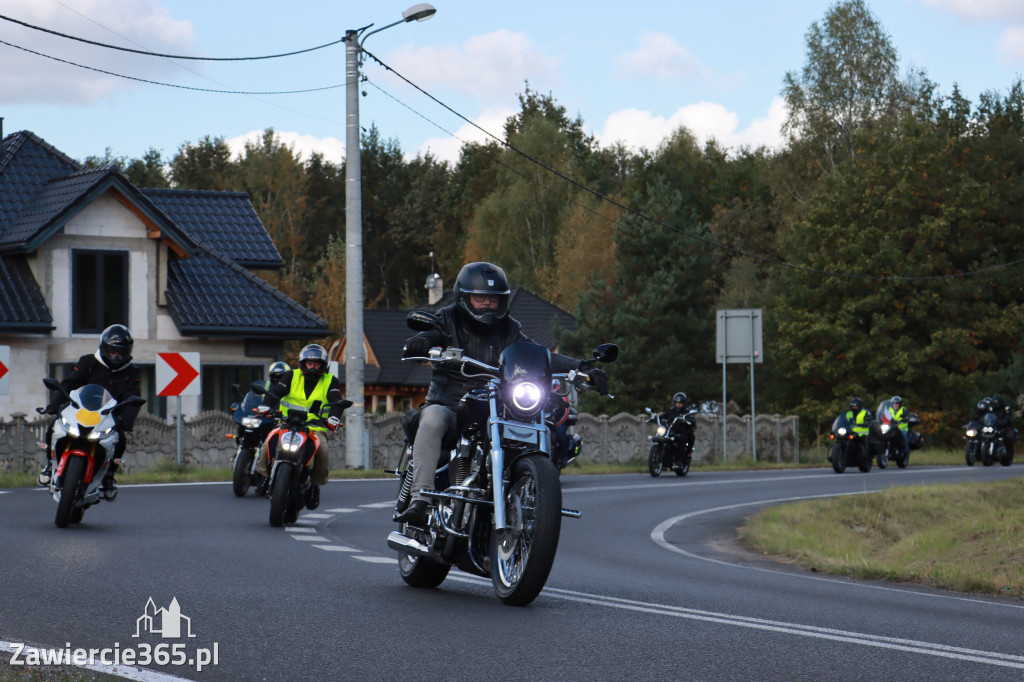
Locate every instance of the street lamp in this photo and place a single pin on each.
(356, 453)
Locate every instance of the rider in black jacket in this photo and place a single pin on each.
(478, 322)
(680, 406)
(111, 367)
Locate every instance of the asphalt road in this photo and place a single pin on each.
(649, 585)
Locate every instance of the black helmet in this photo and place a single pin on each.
(116, 346)
(679, 397)
(277, 370)
(313, 352)
(856, 404)
(487, 279)
(998, 401)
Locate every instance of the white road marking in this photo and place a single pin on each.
(378, 559)
(337, 548)
(300, 529)
(316, 516)
(378, 505)
(340, 510)
(310, 538)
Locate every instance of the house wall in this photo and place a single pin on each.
(104, 224)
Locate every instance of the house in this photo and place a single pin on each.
(391, 384)
(81, 249)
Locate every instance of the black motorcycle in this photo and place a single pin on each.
(848, 447)
(497, 503)
(972, 434)
(993, 447)
(249, 435)
(671, 444)
(887, 440)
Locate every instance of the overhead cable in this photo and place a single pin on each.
(168, 56)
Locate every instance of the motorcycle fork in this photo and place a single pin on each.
(497, 461)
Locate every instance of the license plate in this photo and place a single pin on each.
(519, 433)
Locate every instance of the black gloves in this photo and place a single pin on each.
(598, 380)
(416, 347)
(49, 409)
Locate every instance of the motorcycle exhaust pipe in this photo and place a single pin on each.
(403, 543)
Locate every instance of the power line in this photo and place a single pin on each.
(168, 56)
(710, 242)
(173, 85)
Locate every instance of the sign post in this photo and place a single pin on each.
(5, 370)
(176, 375)
(740, 340)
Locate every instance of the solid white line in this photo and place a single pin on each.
(658, 536)
(377, 559)
(128, 672)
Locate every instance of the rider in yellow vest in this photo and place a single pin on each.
(899, 415)
(300, 389)
(858, 417)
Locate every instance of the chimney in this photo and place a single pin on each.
(435, 288)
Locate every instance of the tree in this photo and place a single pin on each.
(149, 171)
(849, 81)
(204, 165)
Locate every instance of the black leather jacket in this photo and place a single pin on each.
(480, 342)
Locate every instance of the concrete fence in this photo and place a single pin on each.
(619, 438)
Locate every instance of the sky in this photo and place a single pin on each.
(632, 72)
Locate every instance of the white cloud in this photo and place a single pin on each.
(659, 57)
(447, 148)
(981, 10)
(1011, 44)
(136, 24)
(497, 63)
(706, 120)
(332, 148)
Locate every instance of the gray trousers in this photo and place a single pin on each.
(426, 450)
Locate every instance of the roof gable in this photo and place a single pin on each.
(27, 163)
(225, 222)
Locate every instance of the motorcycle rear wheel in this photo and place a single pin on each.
(74, 472)
(280, 494)
(241, 479)
(655, 459)
(683, 468)
(1006, 458)
(420, 571)
(522, 556)
(902, 460)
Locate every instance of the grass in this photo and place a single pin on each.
(959, 537)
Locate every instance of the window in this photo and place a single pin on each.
(218, 381)
(99, 285)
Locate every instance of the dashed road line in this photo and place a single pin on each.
(377, 559)
(337, 548)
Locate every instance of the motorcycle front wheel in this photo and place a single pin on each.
(838, 458)
(74, 472)
(971, 454)
(279, 495)
(241, 479)
(988, 456)
(655, 459)
(522, 555)
(883, 457)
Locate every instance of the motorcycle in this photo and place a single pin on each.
(562, 415)
(291, 447)
(848, 446)
(497, 499)
(252, 430)
(671, 444)
(887, 441)
(972, 434)
(84, 439)
(993, 442)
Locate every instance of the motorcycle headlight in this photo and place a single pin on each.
(885, 428)
(100, 435)
(70, 426)
(988, 429)
(972, 433)
(662, 430)
(842, 430)
(526, 397)
(291, 442)
(251, 422)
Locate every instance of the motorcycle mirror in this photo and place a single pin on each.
(344, 404)
(421, 321)
(258, 388)
(606, 352)
(648, 410)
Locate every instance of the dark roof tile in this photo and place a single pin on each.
(22, 306)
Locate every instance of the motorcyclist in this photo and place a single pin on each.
(1004, 419)
(299, 390)
(477, 322)
(899, 417)
(680, 406)
(111, 367)
(984, 406)
(858, 418)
